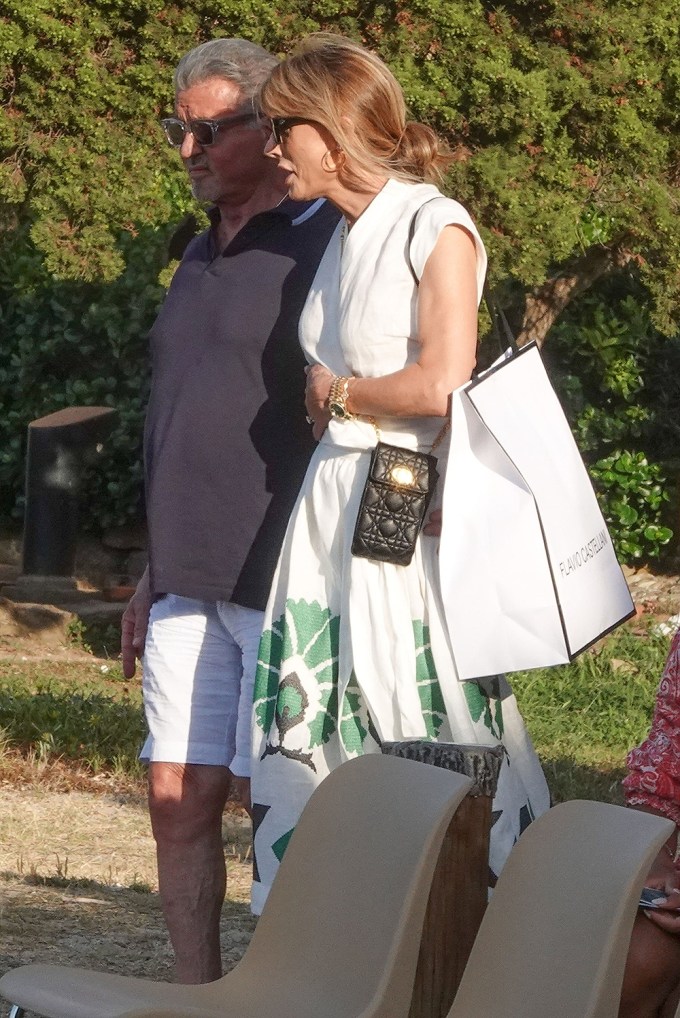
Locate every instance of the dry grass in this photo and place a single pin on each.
(77, 861)
(78, 880)
(78, 883)
(100, 928)
(25, 771)
(106, 838)
(77, 836)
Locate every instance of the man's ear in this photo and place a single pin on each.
(265, 126)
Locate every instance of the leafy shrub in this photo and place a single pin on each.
(71, 343)
(632, 495)
(562, 119)
(601, 357)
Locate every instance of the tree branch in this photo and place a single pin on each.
(544, 306)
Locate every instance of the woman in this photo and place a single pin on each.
(354, 651)
(651, 986)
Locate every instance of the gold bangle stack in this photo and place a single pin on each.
(337, 399)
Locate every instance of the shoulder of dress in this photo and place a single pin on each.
(426, 203)
(442, 211)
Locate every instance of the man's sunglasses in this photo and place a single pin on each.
(203, 131)
(282, 125)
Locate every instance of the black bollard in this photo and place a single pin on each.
(59, 447)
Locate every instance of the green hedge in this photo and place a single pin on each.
(80, 343)
(620, 385)
(563, 119)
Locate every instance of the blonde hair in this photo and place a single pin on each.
(350, 91)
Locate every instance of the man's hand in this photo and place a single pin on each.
(433, 527)
(240, 792)
(316, 397)
(134, 625)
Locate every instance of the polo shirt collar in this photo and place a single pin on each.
(292, 210)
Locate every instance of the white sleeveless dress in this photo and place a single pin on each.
(355, 652)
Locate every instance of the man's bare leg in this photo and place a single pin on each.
(186, 802)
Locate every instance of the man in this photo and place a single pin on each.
(226, 448)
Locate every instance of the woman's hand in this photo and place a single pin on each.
(667, 917)
(433, 527)
(664, 876)
(319, 381)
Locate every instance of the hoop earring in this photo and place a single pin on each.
(326, 157)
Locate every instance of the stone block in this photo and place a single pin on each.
(42, 623)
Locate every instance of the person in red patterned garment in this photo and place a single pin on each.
(651, 987)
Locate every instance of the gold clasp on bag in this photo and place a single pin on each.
(403, 476)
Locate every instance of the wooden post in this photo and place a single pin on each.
(460, 885)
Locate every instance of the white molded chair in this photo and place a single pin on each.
(555, 935)
(340, 933)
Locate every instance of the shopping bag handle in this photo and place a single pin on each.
(506, 338)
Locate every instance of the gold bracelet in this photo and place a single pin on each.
(337, 399)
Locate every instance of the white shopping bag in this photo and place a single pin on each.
(529, 575)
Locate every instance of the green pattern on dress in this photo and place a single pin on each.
(429, 690)
(267, 675)
(484, 707)
(306, 631)
(304, 643)
(354, 722)
(281, 844)
(306, 637)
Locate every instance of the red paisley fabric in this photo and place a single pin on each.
(653, 779)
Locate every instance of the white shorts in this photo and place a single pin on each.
(198, 674)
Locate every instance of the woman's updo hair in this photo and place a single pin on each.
(350, 91)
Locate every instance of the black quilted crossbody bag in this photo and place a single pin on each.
(394, 502)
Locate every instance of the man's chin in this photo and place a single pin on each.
(198, 194)
(202, 191)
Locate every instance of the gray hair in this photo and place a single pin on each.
(244, 63)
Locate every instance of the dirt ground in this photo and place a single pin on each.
(78, 883)
(77, 864)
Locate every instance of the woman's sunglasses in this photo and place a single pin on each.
(203, 131)
(282, 125)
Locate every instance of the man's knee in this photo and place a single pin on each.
(186, 801)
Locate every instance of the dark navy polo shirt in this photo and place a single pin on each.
(226, 441)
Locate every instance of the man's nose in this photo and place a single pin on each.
(272, 147)
(189, 146)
